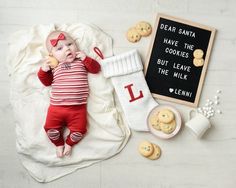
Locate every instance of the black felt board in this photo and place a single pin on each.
(169, 71)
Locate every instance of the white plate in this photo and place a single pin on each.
(178, 120)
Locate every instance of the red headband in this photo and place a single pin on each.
(54, 42)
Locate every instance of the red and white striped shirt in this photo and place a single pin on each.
(69, 81)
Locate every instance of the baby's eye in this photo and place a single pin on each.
(69, 44)
(59, 48)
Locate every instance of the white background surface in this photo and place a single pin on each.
(185, 162)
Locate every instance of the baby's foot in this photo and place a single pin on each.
(67, 150)
(59, 151)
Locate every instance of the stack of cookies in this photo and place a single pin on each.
(149, 150)
(163, 120)
(141, 29)
(198, 60)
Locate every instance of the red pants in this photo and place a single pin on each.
(74, 117)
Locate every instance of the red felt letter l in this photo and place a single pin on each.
(132, 97)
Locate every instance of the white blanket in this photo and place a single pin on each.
(107, 132)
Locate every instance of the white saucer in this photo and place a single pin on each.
(161, 134)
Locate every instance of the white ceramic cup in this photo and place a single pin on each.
(197, 123)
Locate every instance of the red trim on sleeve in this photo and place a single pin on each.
(45, 77)
(92, 65)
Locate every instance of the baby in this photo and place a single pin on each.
(69, 92)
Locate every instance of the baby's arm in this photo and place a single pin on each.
(45, 74)
(91, 65)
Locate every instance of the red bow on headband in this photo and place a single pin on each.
(54, 42)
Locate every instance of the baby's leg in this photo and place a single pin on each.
(67, 150)
(53, 128)
(76, 123)
(72, 139)
(59, 151)
(56, 137)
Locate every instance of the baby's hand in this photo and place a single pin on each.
(80, 55)
(46, 64)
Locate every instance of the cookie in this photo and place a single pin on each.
(133, 35)
(198, 53)
(154, 121)
(198, 62)
(156, 153)
(144, 28)
(53, 62)
(168, 128)
(165, 116)
(146, 148)
(157, 126)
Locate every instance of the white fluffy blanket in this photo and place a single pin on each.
(107, 132)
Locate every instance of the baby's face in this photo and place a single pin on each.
(65, 50)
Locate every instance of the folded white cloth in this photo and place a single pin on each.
(107, 131)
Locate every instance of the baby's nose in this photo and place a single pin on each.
(66, 47)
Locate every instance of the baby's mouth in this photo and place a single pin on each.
(69, 55)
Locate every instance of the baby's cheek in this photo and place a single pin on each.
(59, 56)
